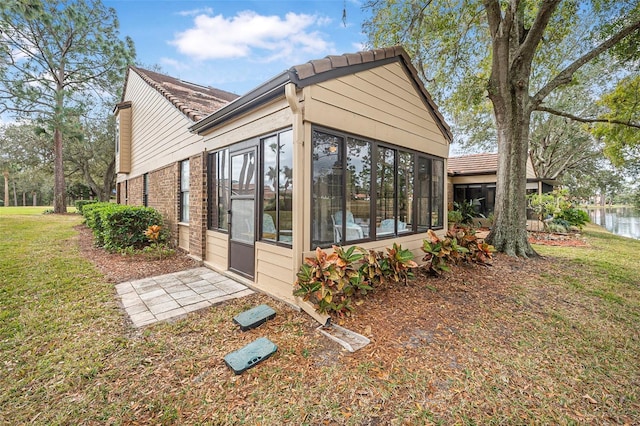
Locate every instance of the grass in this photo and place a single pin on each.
(558, 347)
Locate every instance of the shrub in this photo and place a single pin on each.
(454, 217)
(81, 203)
(440, 253)
(125, 226)
(116, 227)
(467, 210)
(459, 245)
(477, 250)
(91, 214)
(333, 281)
(573, 216)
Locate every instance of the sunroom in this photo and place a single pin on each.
(339, 151)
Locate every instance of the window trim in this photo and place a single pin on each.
(375, 152)
(260, 211)
(182, 192)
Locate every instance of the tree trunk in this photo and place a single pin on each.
(109, 181)
(6, 188)
(59, 188)
(508, 90)
(35, 198)
(15, 194)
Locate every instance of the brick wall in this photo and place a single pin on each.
(135, 191)
(197, 205)
(164, 195)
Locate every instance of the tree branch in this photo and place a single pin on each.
(528, 47)
(566, 75)
(586, 120)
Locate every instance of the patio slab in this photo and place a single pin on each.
(150, 300)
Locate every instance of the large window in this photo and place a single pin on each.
(277, 187)
(219, 181)
(184, 191)
(364, 190)
(481, 195)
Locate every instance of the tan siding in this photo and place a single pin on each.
(160, 132)
(271, 117)
(381, 104)
(124, 154)
(218, 249)
(457, 180)
(183, 237)
(273, 272)
(531, 173)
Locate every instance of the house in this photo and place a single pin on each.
(473, 177)
(344, 150)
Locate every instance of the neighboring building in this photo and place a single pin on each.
(348, 149)
(473, 177)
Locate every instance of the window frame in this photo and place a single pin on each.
(261, 204)
(375, 150)
(213, 183)
(183, 180)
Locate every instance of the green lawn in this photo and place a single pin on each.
(561, 348)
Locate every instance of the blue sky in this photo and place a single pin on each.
(237, 45)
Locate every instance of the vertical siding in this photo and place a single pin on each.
(123, 159)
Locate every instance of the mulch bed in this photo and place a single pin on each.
(119, 268)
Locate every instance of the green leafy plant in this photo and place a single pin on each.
(573, 216)
(400, 263)
(477, 251)
(458, 245)
(467, 210)
(454, 217)
(440, 253)
(320, 282)
(332, 282)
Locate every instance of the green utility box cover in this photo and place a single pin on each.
(250, 355)
(254, 317)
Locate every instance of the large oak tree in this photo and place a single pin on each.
(516, 53)
(54, 53)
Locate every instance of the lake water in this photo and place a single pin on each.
(623, 221)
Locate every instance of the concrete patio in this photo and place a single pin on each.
(154, 299)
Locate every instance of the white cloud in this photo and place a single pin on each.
(194, 12)
(248, 34)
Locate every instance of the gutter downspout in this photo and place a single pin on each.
(297, 110)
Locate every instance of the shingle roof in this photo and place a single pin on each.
(474, 164)
(194, 100)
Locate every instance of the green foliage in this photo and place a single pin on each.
(556, 205)
(467, 211)
(543, 205)
(454, 217)
(573, 216)
(622, 142)
(459, 245)
(116, 227)
(440, 253)
(477, 251)
(56, 56)
(81, 203)
(335, 282)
